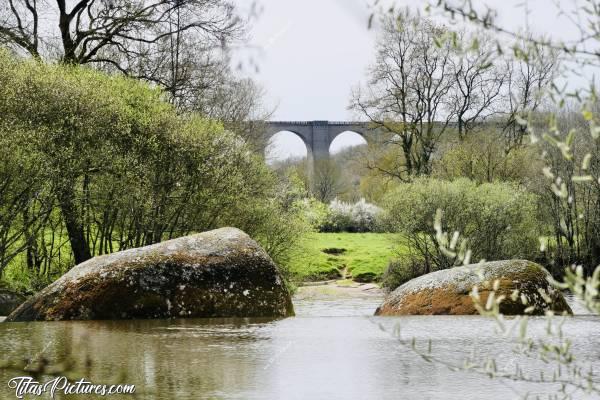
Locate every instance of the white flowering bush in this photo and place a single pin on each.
(346, 217)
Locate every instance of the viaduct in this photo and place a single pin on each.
(317, 135)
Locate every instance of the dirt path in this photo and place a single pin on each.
(338, 289)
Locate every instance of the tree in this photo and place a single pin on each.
(327, 180)
(570, 149)
(117, 166)
(498, 220)
(477, 83)
(408, 92)
(528, 78)
(483, 158)
(237, 102)
(25, 206)
(180, 46)
(115, 32)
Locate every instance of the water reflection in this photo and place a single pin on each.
(332, 349)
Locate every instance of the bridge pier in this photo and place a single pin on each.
(321, 140)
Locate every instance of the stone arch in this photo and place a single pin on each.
(351, 135)
(277, 133)
(318, 136)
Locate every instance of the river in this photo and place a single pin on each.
(333, 349)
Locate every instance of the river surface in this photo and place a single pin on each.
(333, 349)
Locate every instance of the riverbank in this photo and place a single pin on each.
(362, 257)
(341, 298)
(337, 289)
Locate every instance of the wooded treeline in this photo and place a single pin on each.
(102, 164)
(428, 79)
(122, 124)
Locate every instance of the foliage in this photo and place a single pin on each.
(338, 176)
(566, 374)
(315, 212)
(569, 191)
(498, 221)
(180, 46)
(102, 163)
(484, 158)
(402, 269)
(327, 181)
(345, 217)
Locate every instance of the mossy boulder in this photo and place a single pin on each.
(448, 291)
(220, 273)
(9, 300)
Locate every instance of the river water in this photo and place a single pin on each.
(332, 349)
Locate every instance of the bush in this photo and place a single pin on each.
(102, 163)
(498, 220)
(484, 158)
(315, 213)
(401, 270)
(346, 217)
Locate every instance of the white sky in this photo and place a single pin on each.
(310, 53)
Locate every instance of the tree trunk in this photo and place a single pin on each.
(74, 225)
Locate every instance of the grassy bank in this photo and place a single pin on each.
(361, 256)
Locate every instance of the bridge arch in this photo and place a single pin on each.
(345, 140)
(318, 136)
(286, 144)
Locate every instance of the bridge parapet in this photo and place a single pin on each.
(309, 123)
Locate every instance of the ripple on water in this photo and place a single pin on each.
(353, 356)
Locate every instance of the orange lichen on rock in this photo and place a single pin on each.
(449, 291)
(431, 302)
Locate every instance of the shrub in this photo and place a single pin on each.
(315, 213)
(345, 217)
(484, 158)
(498, 220)
(401, 270)
(102, 163)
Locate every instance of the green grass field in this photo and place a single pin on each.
(362, 256)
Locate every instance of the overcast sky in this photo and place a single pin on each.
(310, 53)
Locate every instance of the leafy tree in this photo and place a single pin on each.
(121, 167)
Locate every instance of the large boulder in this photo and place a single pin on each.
(9, 300)
(448, 291)
(220, 273)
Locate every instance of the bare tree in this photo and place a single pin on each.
(327, 181)
(238, 103)
(115, 32)
(179, 45)
(431, 86)
(407, 95)
(477, 83)
(528, 78)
